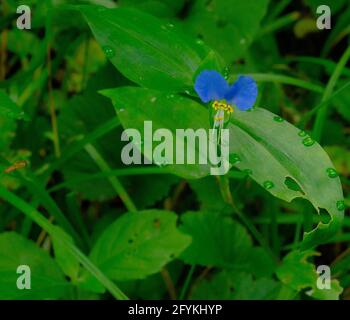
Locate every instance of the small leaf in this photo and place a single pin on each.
(47, 280)
(296, 271)
(139, 244)
(327, 294)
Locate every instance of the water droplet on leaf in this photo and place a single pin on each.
(332, 173)
(268, 185)
(109, 52)
(234, 158)
(340, 205)
(302, 133)
(278, 119)
(308, 142)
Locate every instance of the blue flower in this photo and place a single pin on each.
(212, 86)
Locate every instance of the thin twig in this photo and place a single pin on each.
(169, 283)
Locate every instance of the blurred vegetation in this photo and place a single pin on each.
(70, 208)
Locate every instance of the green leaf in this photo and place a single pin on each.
(9, 109)
(136, 105)
(296, 272)
(158, 187)
(275, 151)
(235, 286)
(159, 8)
(47, 280)
(208, 195)
(138, 244)
(327, 294)
(229, 27)
(63, 256)
(156, 57)
(210, 231)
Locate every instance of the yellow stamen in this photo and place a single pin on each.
(222, 106)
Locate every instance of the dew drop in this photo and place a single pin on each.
(109, 52)
(170, 96)
(200, 42)
(268, 185)
(188, 92)
(278, 119)
(308, 142)
(234, 158)
(242, 41)
(340, 205)
(170, 25)
(153, 99)
(332, 173)
(302, 133)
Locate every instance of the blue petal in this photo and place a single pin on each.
(242, 93)
(211, 85)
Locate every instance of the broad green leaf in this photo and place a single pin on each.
(159, 8)
(9, 109)
(156, 57)
(275, 151)
(47, 280)
(228, 26)
(298, 273)
(210, 231)
(136, 105)
(138, 244)
(281, 158)
(235, 286)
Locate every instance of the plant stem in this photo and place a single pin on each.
(169, 283)
(225, 191)
(187, 282)
(117, 186)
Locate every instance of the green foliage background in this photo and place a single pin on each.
(91, 227)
